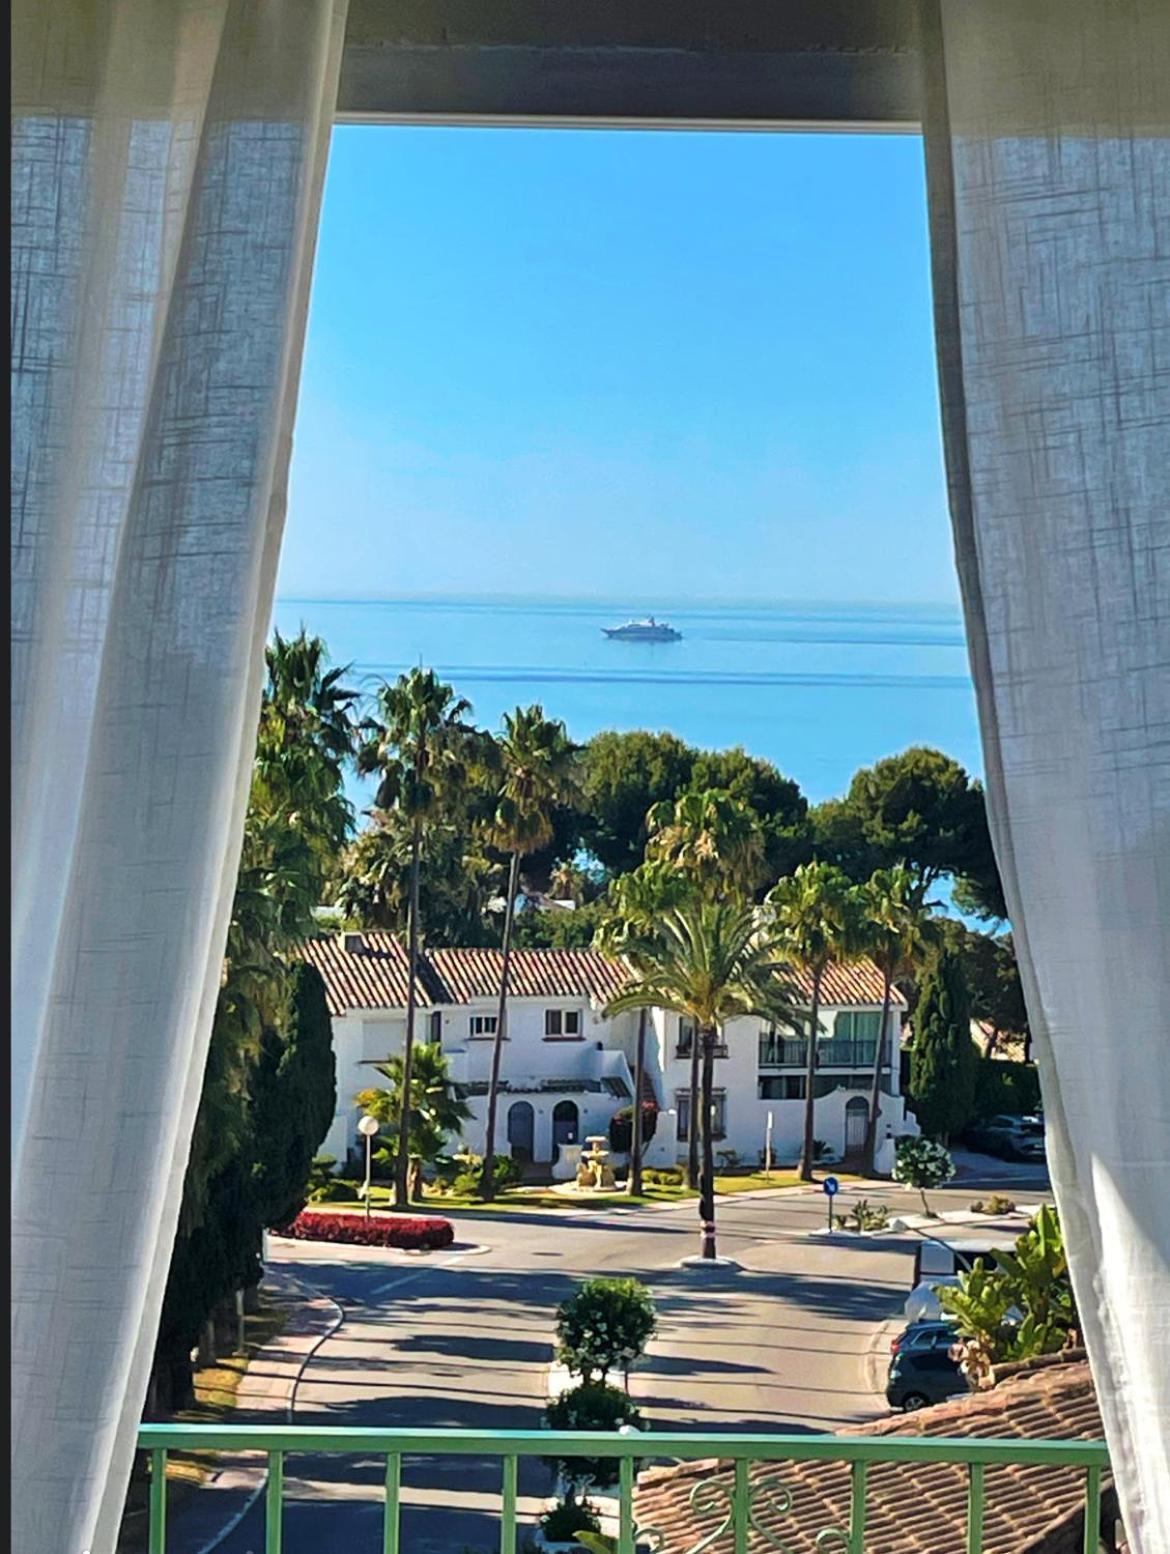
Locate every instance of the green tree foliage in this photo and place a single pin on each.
(622, 777)
(437, 1110)
(594, 1405)
(604, 1326)
(1021, 1307)
(537, 763)
(711, 838)
(293, 1091)
(710, 961)
(816, 914)
(558, 929)
(993, 981)
(942, 1055)
(919, 809)
(776, 801)
(1004, 1086)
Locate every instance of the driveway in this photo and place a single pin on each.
(785, 1343)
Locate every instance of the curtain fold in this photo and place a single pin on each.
(1048, 168)
(167, 170)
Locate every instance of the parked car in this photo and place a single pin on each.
(922, 1369)
(1009, 1138)
(921, 1335)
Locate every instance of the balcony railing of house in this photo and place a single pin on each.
(792, 1052)
(734, 1500)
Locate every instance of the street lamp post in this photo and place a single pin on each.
(367, 1127)
(768, 1148)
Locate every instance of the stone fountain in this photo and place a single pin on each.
(594, 1172)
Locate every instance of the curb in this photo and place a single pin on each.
(290, 1404)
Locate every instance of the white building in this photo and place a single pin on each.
(567, 1068)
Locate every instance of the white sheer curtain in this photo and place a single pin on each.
(1049, 171)
(168, 160)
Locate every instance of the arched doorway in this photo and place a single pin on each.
(566, 1124)
(521, 1123)
(856, 1121)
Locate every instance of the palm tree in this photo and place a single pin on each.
(716, 843)
(712, 962)
(815, 912)
(420, 746)
(537, 761)
(894, 930)
(633, 909)
(712, 837)
(437, 1108)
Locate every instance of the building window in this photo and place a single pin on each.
(436, 1025)
(482, 1025)
(781, 1087)
(687, 1031)
(562, 1025)
(682, 1106)
(857, 1025)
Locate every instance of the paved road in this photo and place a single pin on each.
(785, 1343)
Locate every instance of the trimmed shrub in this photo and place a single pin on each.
(921, 1163)
(604, 1326)
(668, 1176)
(594, 1405)
(621, 1127)
(407, 1233)
(466, 1183)
(565, 1521)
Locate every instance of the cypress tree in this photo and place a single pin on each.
(942, 1059)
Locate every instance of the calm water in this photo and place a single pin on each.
(819, 690)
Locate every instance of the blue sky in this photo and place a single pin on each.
(572, 363)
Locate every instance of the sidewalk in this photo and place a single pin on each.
(265, 1396)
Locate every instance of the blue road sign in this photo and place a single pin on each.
(831, 1186)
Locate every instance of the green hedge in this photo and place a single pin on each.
(1003, 1086)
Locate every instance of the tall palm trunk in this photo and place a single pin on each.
(807, 1151)
(693, 1129)
(402, 1159)
(707, 1176)
(869, 1154)
(488, 1179)
(635, 1183)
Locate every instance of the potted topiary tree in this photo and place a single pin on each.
(604, 1326)
(922, 1163)
(593, 1405)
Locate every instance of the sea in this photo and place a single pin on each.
(818, 689)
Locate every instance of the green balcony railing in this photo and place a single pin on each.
(734, 1503)
(832, 1052)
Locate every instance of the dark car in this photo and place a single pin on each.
(921, 1368)
(1011, 1138)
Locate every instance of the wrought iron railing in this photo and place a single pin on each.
(792, 1052)
(734, 1502)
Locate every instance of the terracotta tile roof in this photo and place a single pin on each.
(469, 974)
(859, 982)
(374, 976)
(913, 1508)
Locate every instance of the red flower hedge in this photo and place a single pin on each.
(415, 1234)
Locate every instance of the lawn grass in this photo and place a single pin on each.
(540, 1200)
(216, 1387)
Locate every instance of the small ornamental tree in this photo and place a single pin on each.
(922, 1163)
(605, 1326)
(594, 1405)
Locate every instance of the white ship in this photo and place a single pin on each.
(644, 631)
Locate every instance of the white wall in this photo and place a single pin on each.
(603, 1048)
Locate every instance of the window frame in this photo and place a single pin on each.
(561, 1015)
